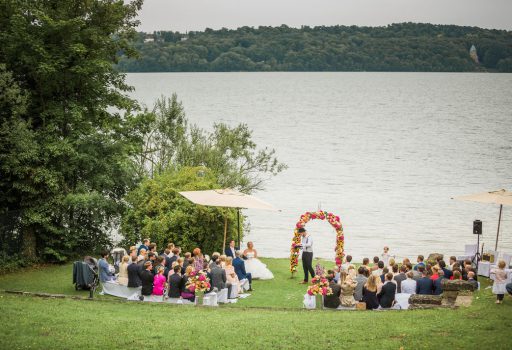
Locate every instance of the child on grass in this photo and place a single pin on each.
(500, 281)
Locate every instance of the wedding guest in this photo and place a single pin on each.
(122, 278)
(387, 294)
(425, 285)
(456, 275)
(332, 301)
(420, 262)
(175, 282)
(400, 277)
(366, 264)
(175, 255)
(159, 282)
(406, 261)
(147, 279)
(361, 281)
(213, 259)
(416, 274)
(167, 256)
(133, 252)
(472, 281)
(231, 276)
(347, 263)
(223, 259)
(230, 250)
(352, 272)
(181, 263)
(395, 270)
(170, 246)
(435, 273)
(500, 281)
(198, 259)
(142, 257)
(370, 293)
(391, 263)
(104, 267)
(453, 260)
(409, 285)
(438, 283)
(347, 290)
(144, 246)
(152, 249)
(239, 266)
(185, 292)
(378, 270)
(382, 276)
(385, 255)
(134, 272)
(375, 264)
(447, 272)
(219, 278)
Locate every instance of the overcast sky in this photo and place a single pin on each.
(185, 15)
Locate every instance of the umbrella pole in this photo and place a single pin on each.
(498, 231)
(225, 233)
(238, 219)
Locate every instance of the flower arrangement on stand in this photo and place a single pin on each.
(319, 287)
(198, 283)
(335, 222)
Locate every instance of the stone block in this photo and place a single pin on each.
(417, 299)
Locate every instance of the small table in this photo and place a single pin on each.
(484, 268)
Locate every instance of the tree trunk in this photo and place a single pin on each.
(29, 244)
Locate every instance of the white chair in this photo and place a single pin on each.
(222, 296)
(234, 291)
(402, 300)
(210, 299)
(244, 285)
(470, 251)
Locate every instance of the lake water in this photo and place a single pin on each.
(384, 151)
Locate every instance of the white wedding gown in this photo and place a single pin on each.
(257, 269)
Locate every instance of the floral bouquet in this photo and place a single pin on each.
(198, 282)
(319, 286)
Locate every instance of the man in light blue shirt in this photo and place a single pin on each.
(105, 274)
(307, 255)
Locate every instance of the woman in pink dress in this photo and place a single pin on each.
(198, 259)
(159, 282)
(231, 276)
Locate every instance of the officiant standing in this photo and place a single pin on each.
(307, 254)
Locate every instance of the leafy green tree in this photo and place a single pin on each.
(65, 151)
(158, 211)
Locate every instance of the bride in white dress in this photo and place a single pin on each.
(253, 265)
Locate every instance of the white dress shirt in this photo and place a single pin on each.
(307, 244)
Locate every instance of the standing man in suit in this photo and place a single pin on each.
(239, 266)
(175, 282)
(387, 293)
(134, 271)
(230, 251)
(307, 255)
(147, 279)
(424, 285)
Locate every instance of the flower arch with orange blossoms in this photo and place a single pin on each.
(335, 222)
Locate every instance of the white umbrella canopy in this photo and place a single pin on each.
(501, 197)
(227, 198)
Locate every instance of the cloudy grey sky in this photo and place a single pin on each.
(183, 15)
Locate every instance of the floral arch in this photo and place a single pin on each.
(304, 219)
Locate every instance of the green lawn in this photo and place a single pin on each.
(32, 322)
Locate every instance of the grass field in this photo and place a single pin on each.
(271, 318)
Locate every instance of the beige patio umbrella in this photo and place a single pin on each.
(501, 197)
(227, 198)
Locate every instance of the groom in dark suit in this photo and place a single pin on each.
(231, 249)
(239, 266)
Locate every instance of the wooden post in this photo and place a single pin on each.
(498, 232)
(225, 233)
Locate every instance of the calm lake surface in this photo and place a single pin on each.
(384, 151)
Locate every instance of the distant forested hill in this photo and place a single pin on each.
(397, 47)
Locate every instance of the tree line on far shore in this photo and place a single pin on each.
(396, 47)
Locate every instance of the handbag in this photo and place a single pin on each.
(361, 305)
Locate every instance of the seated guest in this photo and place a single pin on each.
(406, 261)
(370, 293)
(395, 270)
(366, 264)
(151, 257)
(144, 246)
(377, 271)
(160, 262)
(416, 274)
(347, 263)
(453, 260)
(435, 273)
(222, 260)
(383, 275)
(167, 256)
(391, 264)
(175, 282)
(466, 268)
(438, 283)
(159, 281)
(181, 263)
(456, 275)
(352, 272)
(408, 286)
(175, 255)
(239, 266)
(152, 249)
(104, 267)
(122, 278)
(198, 259)
(425, 285)
(219, 278)
(187, 257)
(134, 272)
(231, 276)
(387, 294)
(336, 271)
(472, 281)
(447, 273)
(146, 277)
(332, 301)
(347, 290)
(400, 277)
(214, 258)
(206, 269)
(361, 281)
(376, 264)
(142, 257)
(420, 262)
(185, 292)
